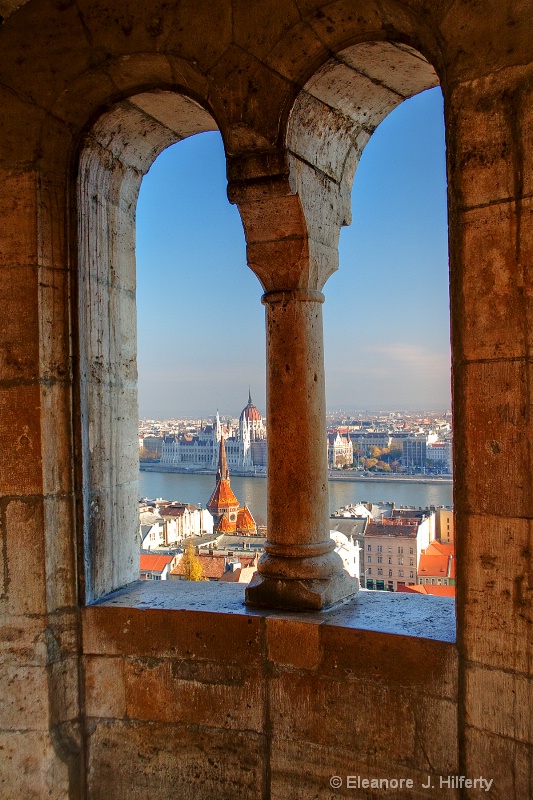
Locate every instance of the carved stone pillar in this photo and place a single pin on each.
(299, 569)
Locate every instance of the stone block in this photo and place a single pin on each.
(60, 52)
(19, 325)
(291, 54)
(293, 644)
(24, 698)
(54, 306)
(355, 715)
(21, 522)
(333, 22)
(64, 691)
(325, 139)
(21, 128)
(158, 633)
(111, 538)
(437, 749)
(477, 43)
(258, 29)
(59, 524)
(401, 663)
(30, 766)
(18, 210)
(176, 112)
(22, 640)
(272, 219)
(141, 759)
(499, 702)
(497, 607)
(396, 66)
(491, 296)
(254, 124)
(507, 762)
(189, 692)
(492, 429)
(56, 447)
(479, 130)
(300, 771)
(20, 433)
(104, 687)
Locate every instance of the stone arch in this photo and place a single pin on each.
(115, 154)
(331, 121)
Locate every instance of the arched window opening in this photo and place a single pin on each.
(387, 340)
(388, 354)
(115, 154)
(201, 355)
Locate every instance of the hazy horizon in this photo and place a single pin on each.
(386, 315)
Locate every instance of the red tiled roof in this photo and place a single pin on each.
(378, 529)
(225, 526)
(222, 497)
(436, 566)
(173, 510)
(245, 521)
(154, 563)
(438, 548)
(436, 591)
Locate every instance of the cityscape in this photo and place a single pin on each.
(388, 546)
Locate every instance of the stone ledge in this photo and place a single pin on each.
(383, 612)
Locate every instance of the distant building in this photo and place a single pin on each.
(184, 520)
(363, 441)
(437, 565)
(351, 521)
(245, 444)
(165, 524)
(445, 525)
(414, 454)
(393, 547)
(340, 449)
(439, 456)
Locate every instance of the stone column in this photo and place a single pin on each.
(299, 569)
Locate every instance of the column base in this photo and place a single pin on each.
(300, 595)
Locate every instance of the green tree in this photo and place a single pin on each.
(191, 564)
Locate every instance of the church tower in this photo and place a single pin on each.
(223, 505)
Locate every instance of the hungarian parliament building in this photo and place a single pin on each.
(245, 444)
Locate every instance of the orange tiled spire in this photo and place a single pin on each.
(245, 521)
(222, 500)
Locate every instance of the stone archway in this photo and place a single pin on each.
(116, 153)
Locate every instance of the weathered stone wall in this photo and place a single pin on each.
(234, 704)
(250, 67)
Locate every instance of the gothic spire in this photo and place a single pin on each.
(223, 470)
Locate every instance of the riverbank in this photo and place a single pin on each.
(334, 475)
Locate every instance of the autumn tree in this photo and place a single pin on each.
(192, 566)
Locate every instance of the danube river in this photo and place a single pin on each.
(197, 489)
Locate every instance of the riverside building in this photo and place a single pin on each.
(245, 444)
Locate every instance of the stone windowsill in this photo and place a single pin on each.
(383, 612)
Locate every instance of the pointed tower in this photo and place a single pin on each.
(223, 505)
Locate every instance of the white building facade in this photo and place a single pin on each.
(245, 444)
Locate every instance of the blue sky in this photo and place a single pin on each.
(386, 315)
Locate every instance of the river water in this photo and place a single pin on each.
(197, 489)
